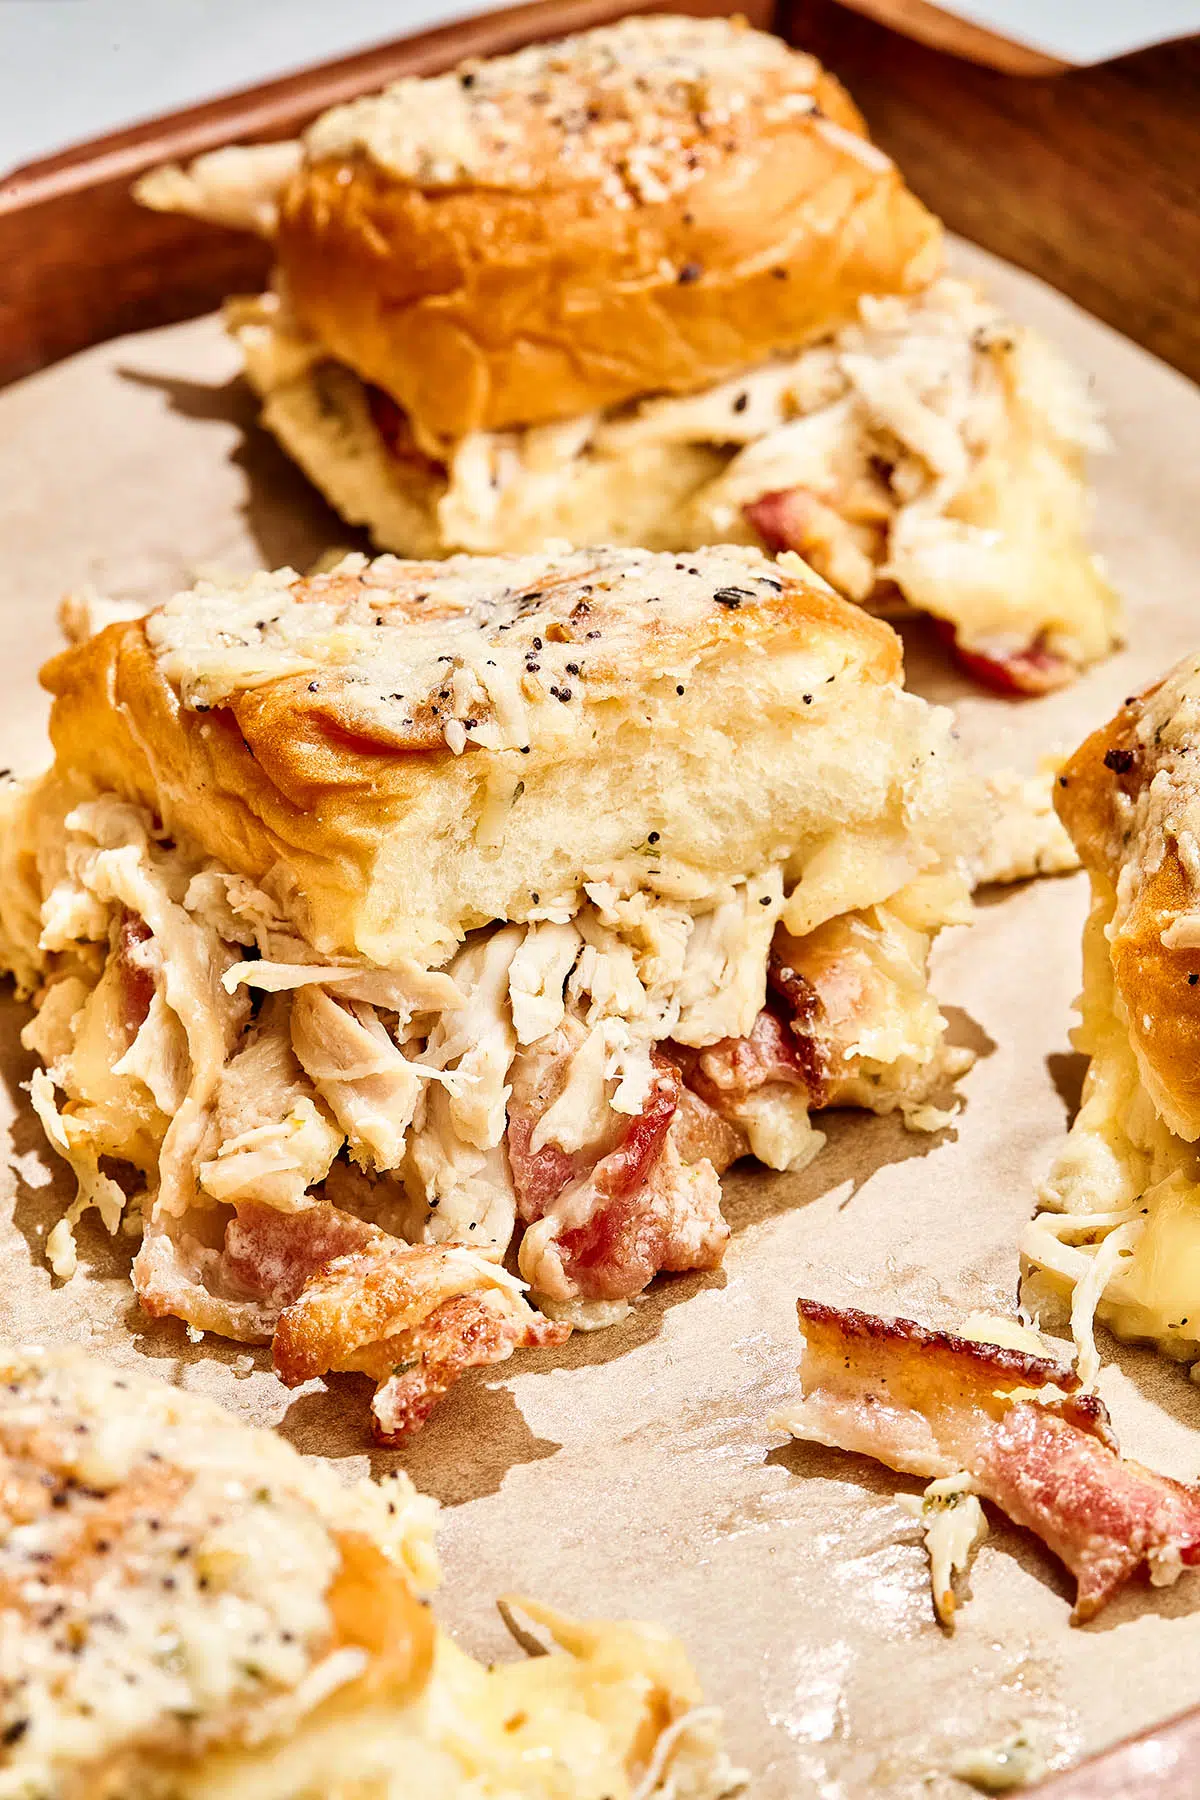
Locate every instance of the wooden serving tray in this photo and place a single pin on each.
(82, 263)
(1088, 180)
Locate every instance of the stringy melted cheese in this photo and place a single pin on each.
(618, 106)
(408, 1070)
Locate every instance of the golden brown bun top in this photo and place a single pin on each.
(1130, 797)
(343, 679)
(405, 751)
(643, 208)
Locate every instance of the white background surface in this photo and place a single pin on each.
(72, 69)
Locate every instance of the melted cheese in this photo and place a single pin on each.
(935, 445)
(954, 1525)
(168, 1579)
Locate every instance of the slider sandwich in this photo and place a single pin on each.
(653, 285)
(192, 1611)
(1119, 1233)
(413, 945)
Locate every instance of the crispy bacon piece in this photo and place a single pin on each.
(930, 1404)
(782, 519)
(391, 422)
(607, 1230)
(466, 1333)
(784, 1049)
(414, 1317)
(539, 1176)
(797, 519)
(703, 1134)
(1034, 670)
(338, 1293)
(273, 1255)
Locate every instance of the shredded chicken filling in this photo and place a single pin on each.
(368, 1166)
(928, 455)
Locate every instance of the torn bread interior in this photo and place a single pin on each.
(1118, 1233)
(192, 1610)
(639, 358)
(416, 941)
(979, 1420)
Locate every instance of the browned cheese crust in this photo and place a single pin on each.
(316, 759)
(640, 209)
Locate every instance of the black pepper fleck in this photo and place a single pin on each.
(1119, 761)
(690, 272)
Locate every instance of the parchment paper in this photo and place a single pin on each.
(633, 1472)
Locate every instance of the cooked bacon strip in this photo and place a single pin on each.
(637, 1210)
(703, 1134)
(727, 1072)
(785, 1058)
(802, 520)
(341, 1294)
(414, 1317)
(539, 1176)
(466, 1333)
(797, 519)
(273, 1255)
(782, 519)
(135, 971)
(930, 1404)
(1034, 670)
(605, 1219)
(391, 422)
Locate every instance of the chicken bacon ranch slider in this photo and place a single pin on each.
(191, 1611)
(654, 285)
(401, 927)
(1120, 1232)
